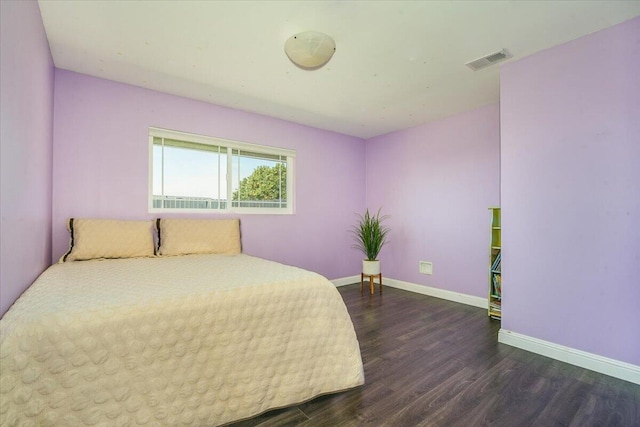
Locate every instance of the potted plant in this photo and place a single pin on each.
(370, 235)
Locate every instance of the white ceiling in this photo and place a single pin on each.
(397, 63)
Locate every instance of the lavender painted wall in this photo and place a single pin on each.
(571, 194)
(26, 122)
(101, 168)
(437, 181)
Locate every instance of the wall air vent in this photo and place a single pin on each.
(487, 60)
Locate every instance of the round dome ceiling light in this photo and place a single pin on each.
(310, 49)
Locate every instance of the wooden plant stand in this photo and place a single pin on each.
(371, 282)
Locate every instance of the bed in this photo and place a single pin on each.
(198, 339)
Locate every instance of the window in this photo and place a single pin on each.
(203, 174)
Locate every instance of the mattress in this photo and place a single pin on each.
(197, 340)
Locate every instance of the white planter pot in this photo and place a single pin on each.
(370, 268)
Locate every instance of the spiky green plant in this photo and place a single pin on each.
(370, 235)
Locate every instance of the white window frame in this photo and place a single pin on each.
(229, 145)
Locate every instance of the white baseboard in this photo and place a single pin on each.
(346, 281)
(594, 362)
(438, 293)
(420, 289)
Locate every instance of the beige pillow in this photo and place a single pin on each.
(108, 238)
(198, 236)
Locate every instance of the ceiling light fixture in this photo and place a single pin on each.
(310, 49)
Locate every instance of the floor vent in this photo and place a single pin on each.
(487, 60)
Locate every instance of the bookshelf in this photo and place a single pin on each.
(495, 266)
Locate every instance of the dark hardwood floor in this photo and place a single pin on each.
(431, 362)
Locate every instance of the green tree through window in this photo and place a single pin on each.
(266, 183)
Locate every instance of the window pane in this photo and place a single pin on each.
(259, 180)
(190, 172)
(186, 177)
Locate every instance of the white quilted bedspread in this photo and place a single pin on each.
(192, 340)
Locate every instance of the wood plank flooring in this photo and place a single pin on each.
(431, 362)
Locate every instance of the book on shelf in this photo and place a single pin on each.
(497, 284)
(495, 267)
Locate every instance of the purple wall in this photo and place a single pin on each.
(571, 194)
(26, 103)
(437, 181)
(101, 168)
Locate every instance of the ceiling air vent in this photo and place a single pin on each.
(492, 58)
